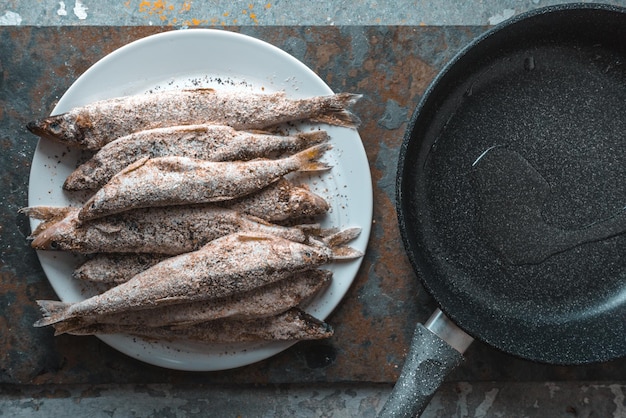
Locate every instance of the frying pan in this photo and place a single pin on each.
(511, 197)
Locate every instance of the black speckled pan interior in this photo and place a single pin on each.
(511, 188)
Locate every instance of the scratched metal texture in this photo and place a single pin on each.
(391, 67)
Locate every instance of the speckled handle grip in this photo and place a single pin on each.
(429, 361)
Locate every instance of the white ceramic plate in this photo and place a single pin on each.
(220, 59)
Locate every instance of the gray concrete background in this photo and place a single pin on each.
(266, 12)
(455, 399)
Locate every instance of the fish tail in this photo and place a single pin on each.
(53, 311)
(342, 237)
(312, 327)
(336, 242)
(336, 110)
(50, 215)
(46, 213)
(308, 159)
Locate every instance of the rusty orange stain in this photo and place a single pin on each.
(144, 5)
(166, 10)
(195, 22)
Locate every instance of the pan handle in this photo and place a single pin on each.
(435, 351)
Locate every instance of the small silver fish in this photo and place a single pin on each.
(264, 301)
(292, 325)
(167, 181)
(116, 268)
(229, 265)
(204, 142)
(111, 268)
(172, 231)
(95, 124)
(281, 201)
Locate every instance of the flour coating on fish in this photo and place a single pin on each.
(268, 300)
(226, 266)
(167, 181)
(281, 201)
(205, 142)
(95, 124)
(170, 231)
(292, 325)
(115, 268)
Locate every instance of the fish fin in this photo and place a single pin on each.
(315, 137)
(259, 131)
(133, 166)
(192, 128)
(170, 300)
(203, 90)
(93, 329)
(308, 158)
(53, 311)
(336, 112)
(65, 327)
(254, 236)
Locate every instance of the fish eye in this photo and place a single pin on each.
(55, 127)
(54, 245)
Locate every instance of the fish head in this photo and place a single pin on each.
(307, 203)
(66, 127)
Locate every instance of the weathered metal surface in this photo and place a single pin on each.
(454, 399)
(391, 66)
(185, 13)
